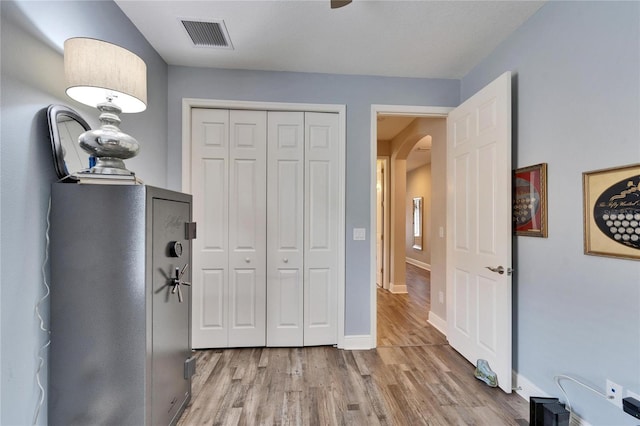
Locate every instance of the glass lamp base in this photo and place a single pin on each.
(110, 166)
(108, 144)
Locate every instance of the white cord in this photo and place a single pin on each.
(43, 327)
(594, 390)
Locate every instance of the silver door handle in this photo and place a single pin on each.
(500, 269)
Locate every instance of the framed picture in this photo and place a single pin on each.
(530, 201)
(612, 212)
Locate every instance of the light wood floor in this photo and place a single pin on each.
(402, 318)
(412, 378)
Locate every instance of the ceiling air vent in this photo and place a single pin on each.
(208, 34)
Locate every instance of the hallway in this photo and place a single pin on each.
(402, 318)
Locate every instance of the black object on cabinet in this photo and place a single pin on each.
(120, 305)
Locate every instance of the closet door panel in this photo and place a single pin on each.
(321, 229)
(244, 289)
(285, 215)
(320, 292)
(210, 168)
(319, 212)
(246, 198)
(247, 228)
(213, 302)
(288, 319)
(214, 212)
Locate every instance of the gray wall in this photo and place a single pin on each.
(32, 36)
(577, 85)
(358, 93)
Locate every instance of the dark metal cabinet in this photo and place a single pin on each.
(120, 337)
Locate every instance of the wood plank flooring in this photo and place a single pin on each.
(412, 378)
(402, 318)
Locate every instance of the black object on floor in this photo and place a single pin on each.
(631, 406)
(536, 413)
(555, 414)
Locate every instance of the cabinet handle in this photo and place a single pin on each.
(177, 281)
(285, 260)
(247, 260)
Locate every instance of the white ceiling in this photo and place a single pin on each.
(394, 38)
(426, 39)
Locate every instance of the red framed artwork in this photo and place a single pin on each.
(530, 201)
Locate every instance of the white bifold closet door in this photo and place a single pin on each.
(228, 178)
(266, 203)
(285, 229)
(321, 229)
(302, 225)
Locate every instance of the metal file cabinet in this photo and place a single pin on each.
(120, 305)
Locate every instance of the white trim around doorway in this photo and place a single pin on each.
(411, 110)
(418, 264)
(189, 103)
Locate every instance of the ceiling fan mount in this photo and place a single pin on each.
(335, 4)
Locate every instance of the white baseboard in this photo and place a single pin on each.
(361, 342)
(577, 421)
(527, 389)
(437, 322)
(417, 263)
(397, 288)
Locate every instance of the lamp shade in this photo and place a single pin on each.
(96, 70)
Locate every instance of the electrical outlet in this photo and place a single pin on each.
(614, 390)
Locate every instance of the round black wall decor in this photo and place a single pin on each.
(617, 212)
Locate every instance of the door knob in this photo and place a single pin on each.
(500, 269)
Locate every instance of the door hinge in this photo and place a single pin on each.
(189, 367)
(190, 231)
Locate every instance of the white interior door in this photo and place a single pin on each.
(479, 223)
(209, 177)
(321, 228)
(285, 229)
(247, 228)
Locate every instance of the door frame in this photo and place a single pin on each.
(386, 160)
(189, 103)
(411, 110)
